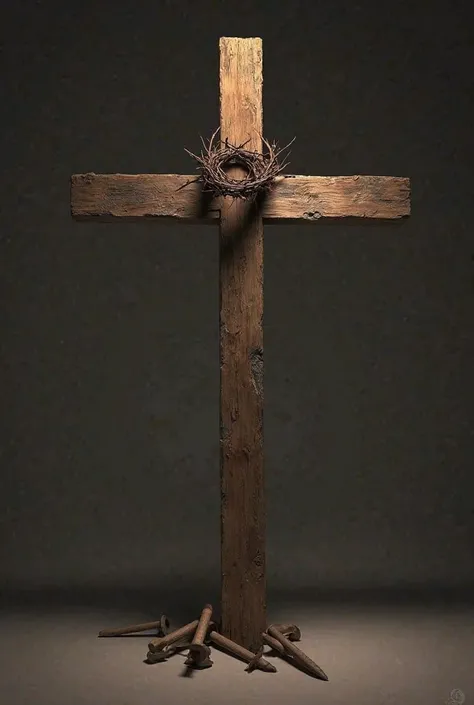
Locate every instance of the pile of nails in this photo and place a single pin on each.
(197, 635)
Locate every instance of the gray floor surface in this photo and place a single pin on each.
(421, 655)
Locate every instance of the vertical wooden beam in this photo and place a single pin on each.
(243, 603)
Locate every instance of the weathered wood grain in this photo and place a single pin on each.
(292, 198)
(310, 199)
(243, 593)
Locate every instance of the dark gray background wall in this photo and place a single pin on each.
(109, 360)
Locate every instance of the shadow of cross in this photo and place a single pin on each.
(292, 198)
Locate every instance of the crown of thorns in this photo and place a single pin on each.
(261, 168)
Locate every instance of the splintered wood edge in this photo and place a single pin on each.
(126, 197)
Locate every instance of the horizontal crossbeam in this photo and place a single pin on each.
(292, 198)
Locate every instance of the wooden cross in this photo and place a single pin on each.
(312, 199)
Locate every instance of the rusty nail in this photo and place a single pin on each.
(198, 652)
(242, 653)
(162, 626)
(274, 643)
(198, 656)
(158, 656)
(297, 654)
(253, 664)
(158, 644)
(291, 631)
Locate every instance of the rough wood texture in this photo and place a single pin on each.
(243, 612)
(124, 197)
(293, 198)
